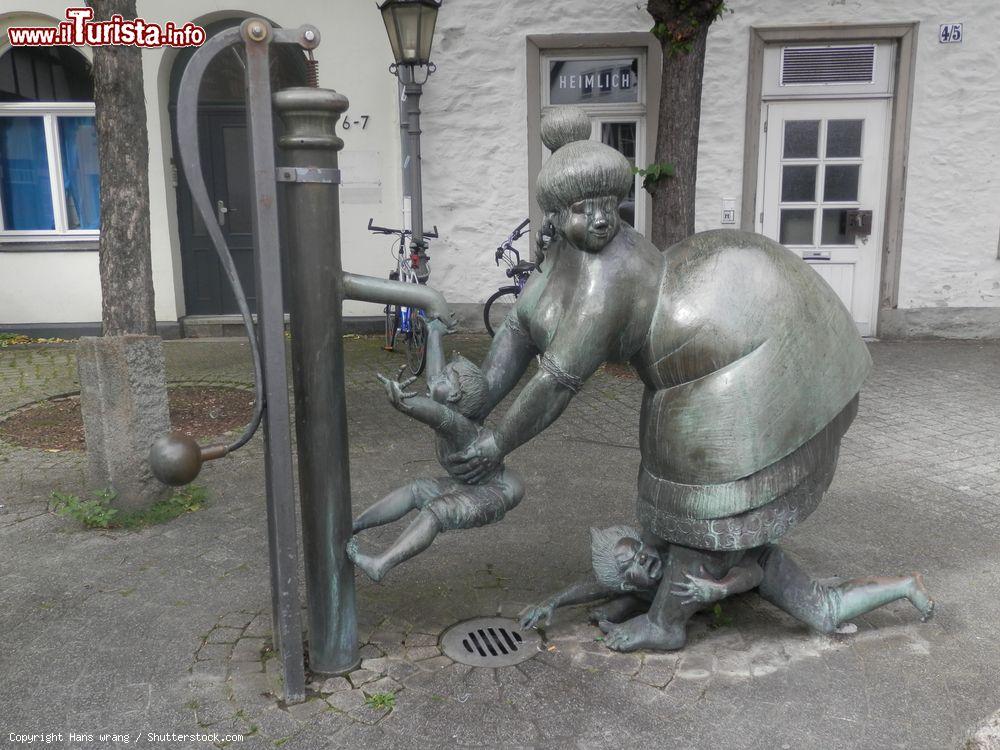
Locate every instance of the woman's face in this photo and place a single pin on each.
(590, 224)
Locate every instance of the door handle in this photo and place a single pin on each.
(220, 212)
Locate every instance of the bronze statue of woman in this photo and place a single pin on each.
(751, 367)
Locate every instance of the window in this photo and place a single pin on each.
(609, 85)
(49, 178)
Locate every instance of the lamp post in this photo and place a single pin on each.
(410, 26)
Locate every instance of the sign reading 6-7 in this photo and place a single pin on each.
(361, 122)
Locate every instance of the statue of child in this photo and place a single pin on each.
(629, 571)
(457, 390)
(626, 572)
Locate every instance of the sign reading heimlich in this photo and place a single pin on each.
(594, 81)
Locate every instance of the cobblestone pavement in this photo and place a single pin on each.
(165, 629)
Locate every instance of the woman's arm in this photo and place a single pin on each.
(507, 360)
(537, 406)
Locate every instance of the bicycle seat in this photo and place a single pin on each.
(524, 266)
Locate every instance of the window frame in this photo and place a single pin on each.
(50, 113)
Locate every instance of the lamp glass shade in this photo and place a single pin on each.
(410, 26)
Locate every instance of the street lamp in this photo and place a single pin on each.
(410, 26)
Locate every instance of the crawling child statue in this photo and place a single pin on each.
(456, 393)
(628, 571)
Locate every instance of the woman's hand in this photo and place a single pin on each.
(477, 461)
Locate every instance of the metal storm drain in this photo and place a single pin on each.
(489, 642)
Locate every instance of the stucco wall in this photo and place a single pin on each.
(951, 223)
(354, 59)
(475, 132)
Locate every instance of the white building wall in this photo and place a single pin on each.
(951, 223)
(354, 57)
(475, 132)
(475, 141)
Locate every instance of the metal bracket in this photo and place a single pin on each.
(308, 174)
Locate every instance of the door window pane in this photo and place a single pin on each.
(621, 137)
(801, 139)
(81, 175)
(24, 174)
(798, 183)
(602, 81)
(841, 182)
(835, 227)
(796, 226)
(843, 138)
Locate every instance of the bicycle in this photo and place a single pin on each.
(503, 299)
(399, 319)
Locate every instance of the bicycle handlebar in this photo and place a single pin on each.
(401, 232)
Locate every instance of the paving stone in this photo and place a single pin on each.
(360, 677)
(422, 652)
(420, 639)
(335, 685)
(346, 700)
(378, 665)
(437, 662)
(248, 649)
(307, 709)
(367, 714)
(384, 685)
(224, 635)
(918, 487)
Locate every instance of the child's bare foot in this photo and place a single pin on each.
(368, 564)
(919, 597)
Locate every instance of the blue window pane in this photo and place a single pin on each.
(78, 144)
(24, 174)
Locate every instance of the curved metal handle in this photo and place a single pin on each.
(174, 458)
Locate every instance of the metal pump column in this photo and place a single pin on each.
(309, 171)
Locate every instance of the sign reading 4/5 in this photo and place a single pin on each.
(949, 33)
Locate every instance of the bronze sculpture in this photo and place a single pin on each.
(457, 390)
(751, 367)
(627, 572)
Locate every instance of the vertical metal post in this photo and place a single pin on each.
(309, 169)
(413, 90)
(271, 327)
(404, 150)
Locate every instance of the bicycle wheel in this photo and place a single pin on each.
(391, 326)
(497, 307)
(416, 343)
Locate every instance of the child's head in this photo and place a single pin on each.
(622, 561)
(462, 385)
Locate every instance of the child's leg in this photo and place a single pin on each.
(390, 508)
(824, 607)
(417, 537)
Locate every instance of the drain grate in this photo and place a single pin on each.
(489, 642)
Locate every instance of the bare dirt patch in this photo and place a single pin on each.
(199, 411)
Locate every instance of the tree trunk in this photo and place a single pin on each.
(682, 28)
(123, 150)
(123, 392)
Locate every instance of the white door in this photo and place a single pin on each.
(821, 161)
(627, 136)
